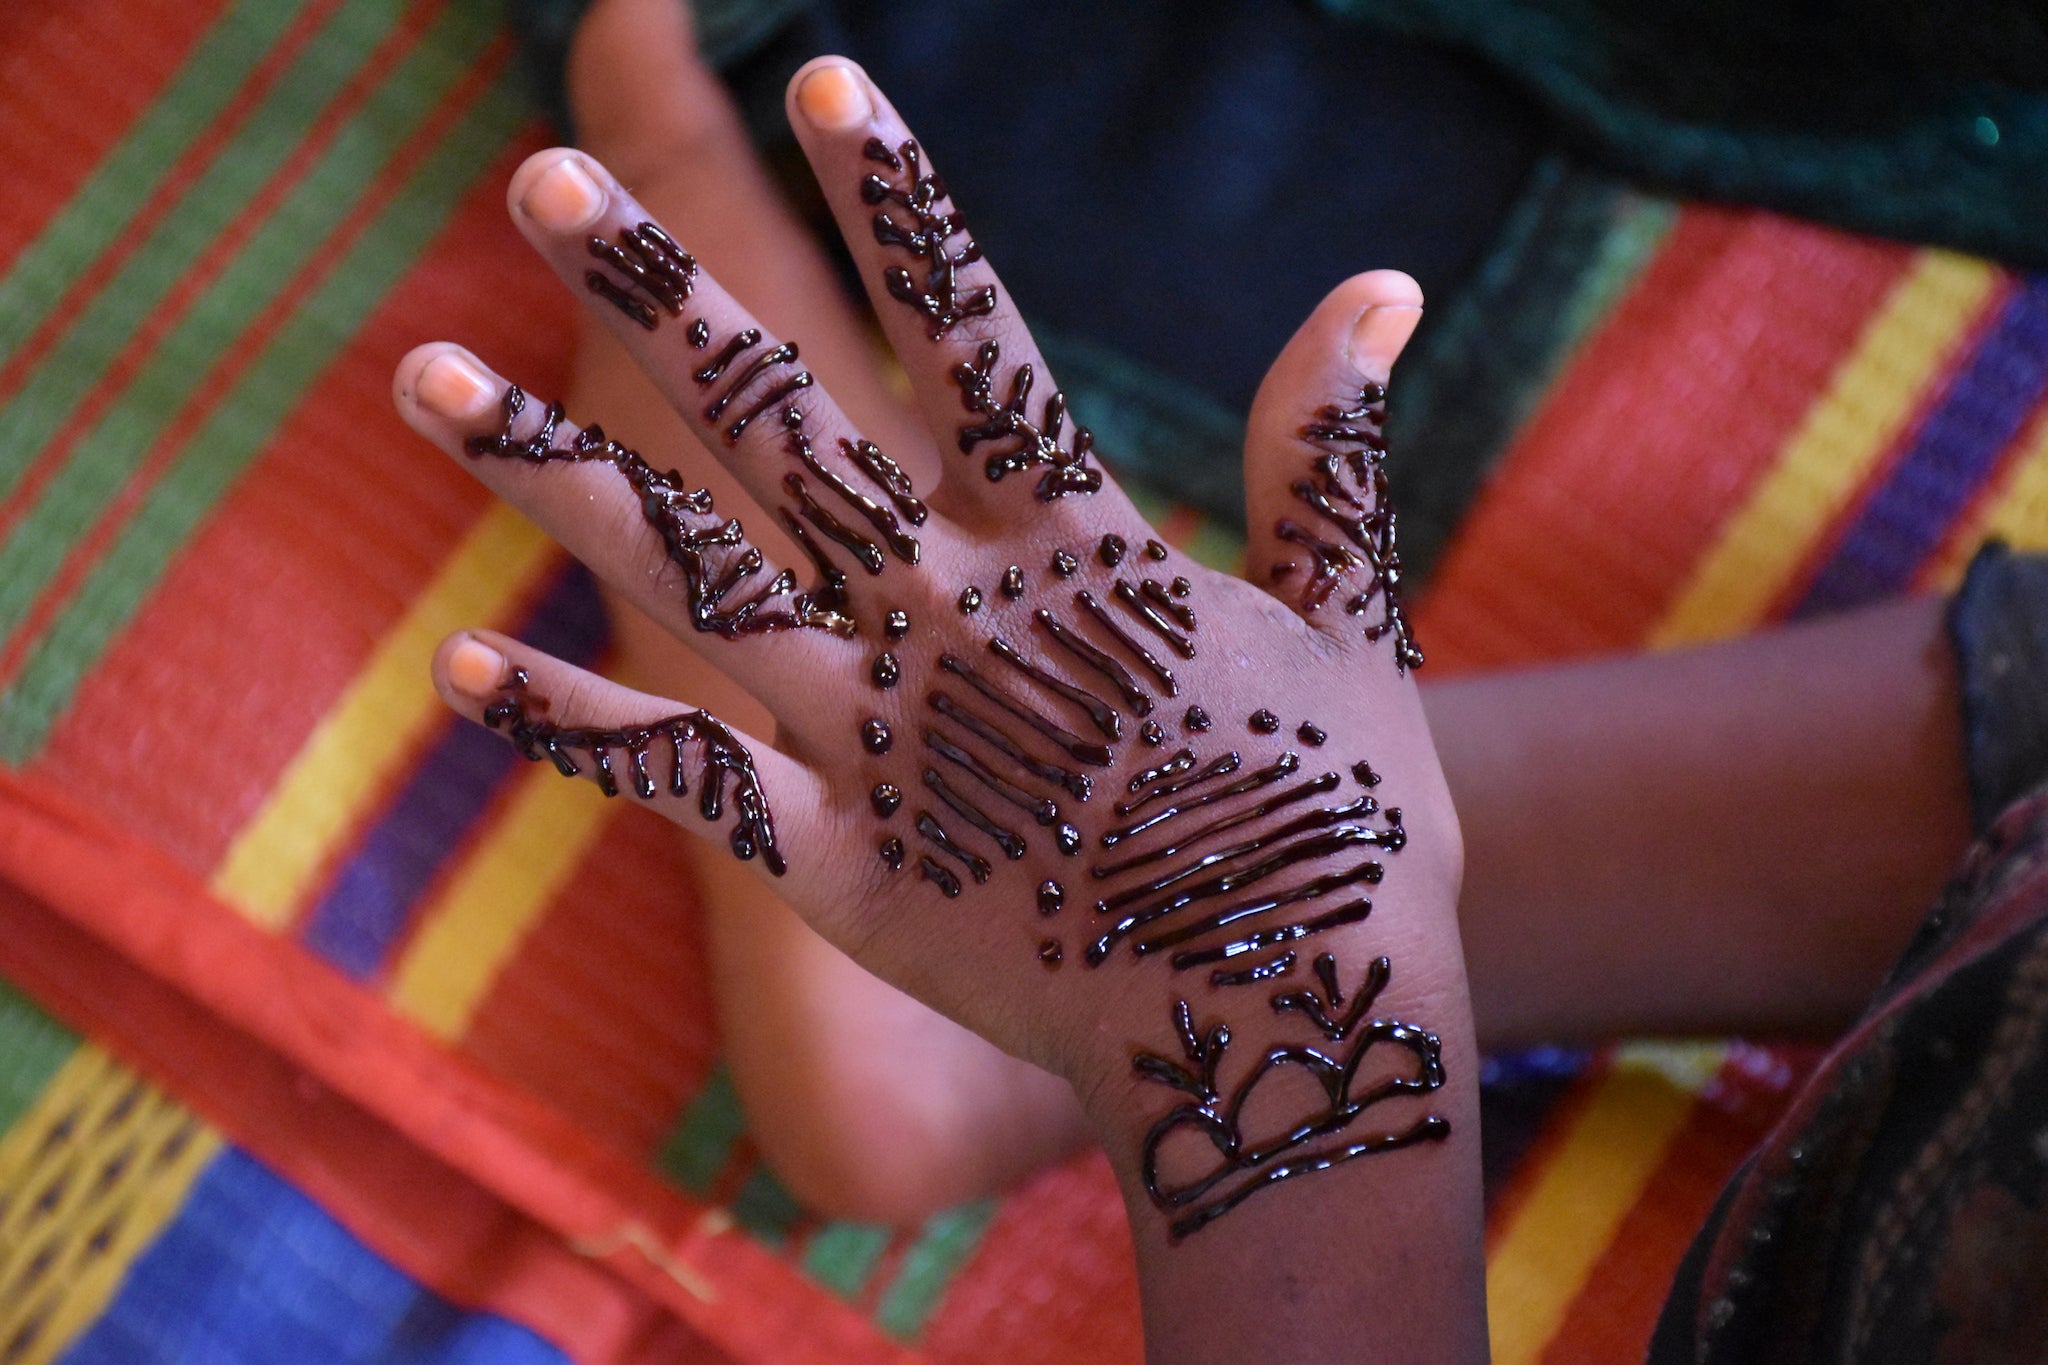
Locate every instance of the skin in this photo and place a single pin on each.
(977, 968)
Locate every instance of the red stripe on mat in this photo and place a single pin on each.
(594, 1015)
(126, 945)
(360, 491)
(193, 283)
(179, 178)
(51, 140)
(1696, 379)
(1054, 1279)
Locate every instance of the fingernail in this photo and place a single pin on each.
(476, 670)
(835, 99)
(1378, 336)
(452, 386)
(563, 197)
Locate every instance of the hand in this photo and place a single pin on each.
(1075, 791)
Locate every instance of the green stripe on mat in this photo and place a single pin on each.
(700, 1144)
(32, 1047)
(103, 207)
(78, 363)
(765, 1209)
(181, 362)
(248, 418)
(929, 1266)
(1574, 243)
(841, 1256)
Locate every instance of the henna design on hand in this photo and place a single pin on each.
(1347, 490)
(1246, 1166)
(720, 757)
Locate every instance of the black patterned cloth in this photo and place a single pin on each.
(1899, 1211)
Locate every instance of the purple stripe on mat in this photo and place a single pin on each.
(373, 894)
(1955, 450)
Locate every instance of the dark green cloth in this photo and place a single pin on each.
(1922, 122)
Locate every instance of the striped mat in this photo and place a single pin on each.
(330, 1032)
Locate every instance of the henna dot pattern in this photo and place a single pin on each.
(1153, 733)
(716, 560)
(885, 798)
(1362, 771)
(658, 275)
(1051, 954)
(1212, 1106)
(699, 333)
(892, 853)
(1196, 720)
(1111, 551)
(886, 671)
(721, 761)
(970, 600)
(896, 624)
(1051, 896)
(1263, 722)
(875, 736)
(1155, 550)
(1347, 491)
(1013, 582)
(1064, 563)
(1310, 735)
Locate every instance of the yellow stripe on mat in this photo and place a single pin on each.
(96, 1169)
(508, 880)
(378, 724)
(1615, 1145)
(1874, 393)
(2016, 514)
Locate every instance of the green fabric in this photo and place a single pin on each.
(1919, 122)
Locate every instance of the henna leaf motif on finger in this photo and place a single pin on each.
(928, 236)
(1353, 528)
(712, 553)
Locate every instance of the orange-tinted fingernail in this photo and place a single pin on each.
(835, 99)
(1378, 336)
(476, 670)
(563, 197)
(454, 387)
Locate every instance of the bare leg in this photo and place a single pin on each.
(1740, 838)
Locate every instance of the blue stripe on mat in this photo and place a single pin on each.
(371, 898)
(1955, 450)
(252, 1272)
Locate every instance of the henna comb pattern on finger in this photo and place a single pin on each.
(658, 274)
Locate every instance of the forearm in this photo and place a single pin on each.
(1361, 1244)
(1735, 838)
